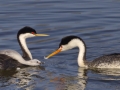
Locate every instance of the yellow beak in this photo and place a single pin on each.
(54, 53)
(41, 35)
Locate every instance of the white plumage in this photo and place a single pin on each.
(106, 61)
(12, 59)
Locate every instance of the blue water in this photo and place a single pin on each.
(97, 22)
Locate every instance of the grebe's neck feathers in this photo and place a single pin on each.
(25, 32)
(16, 56)
(106, 61)
(12, 58)
(70, 42)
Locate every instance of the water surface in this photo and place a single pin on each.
(97, 22)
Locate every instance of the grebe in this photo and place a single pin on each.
(12, 59)
(106, 61)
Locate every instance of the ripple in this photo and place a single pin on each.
(96, 22)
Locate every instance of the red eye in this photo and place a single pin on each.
(33, 32)
(61, 47)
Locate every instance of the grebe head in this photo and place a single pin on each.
(27, 32)
(66, 43)
(34, 62)
(23, 34)
(69, 42)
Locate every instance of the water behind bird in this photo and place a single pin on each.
(96, 22)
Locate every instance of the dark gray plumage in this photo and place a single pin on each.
(8, 63)
(10, 59)
(106, 61)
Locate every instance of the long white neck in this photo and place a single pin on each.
(26, 52)
(22, 61)
(82, 50)
(33, 62)
(82, 54)
(16, 56)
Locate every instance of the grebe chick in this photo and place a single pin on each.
(12, 59)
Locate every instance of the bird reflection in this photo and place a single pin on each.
(22, 79)
(82, 78)
(68, 82)
(81, 81)
(113, 72)
(97, 74)
(26, 77)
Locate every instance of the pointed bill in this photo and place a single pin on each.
(54, 53)
(41, 35)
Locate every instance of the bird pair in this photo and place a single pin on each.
(12, 58)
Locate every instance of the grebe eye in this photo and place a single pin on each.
(60, 46)
(33, 32)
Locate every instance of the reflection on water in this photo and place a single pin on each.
(82, 81)
(114, 72)
(22, 79)
(64, 82)
(102, 75)
(99, 77)
(95, 21)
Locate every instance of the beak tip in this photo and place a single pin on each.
(45, 57)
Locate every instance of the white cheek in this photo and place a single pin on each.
(70, 45)
(65, 47)
(27, 35)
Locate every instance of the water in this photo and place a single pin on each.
(97, 22)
